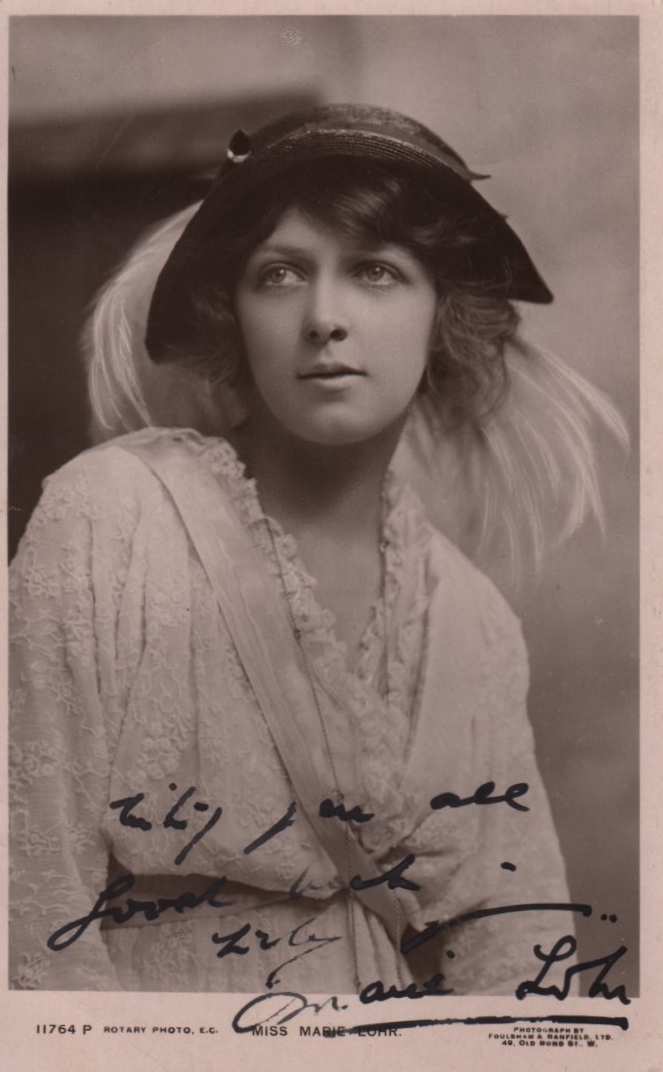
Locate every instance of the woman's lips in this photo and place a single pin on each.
(333, 380)
(333, 372)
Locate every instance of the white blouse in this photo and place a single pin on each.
(126, 684)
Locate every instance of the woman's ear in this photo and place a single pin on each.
(192, 398)
(231, 401)
(427, 385)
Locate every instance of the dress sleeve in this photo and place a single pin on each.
(475, 860)
(516, 862)
(58, 750)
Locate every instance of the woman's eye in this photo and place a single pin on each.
(278, 275)
(378, 274)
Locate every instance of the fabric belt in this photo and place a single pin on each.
(153, 891)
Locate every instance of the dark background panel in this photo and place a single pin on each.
(81, 193)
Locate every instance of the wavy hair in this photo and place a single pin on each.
(373, 205)
(506, 428)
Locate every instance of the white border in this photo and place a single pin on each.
(640, 1049)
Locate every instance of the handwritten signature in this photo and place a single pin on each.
(280, 1007)
(563, 949)
(283, 1006)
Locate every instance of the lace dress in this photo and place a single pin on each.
(127, 690)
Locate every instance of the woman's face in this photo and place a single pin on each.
(336, 333)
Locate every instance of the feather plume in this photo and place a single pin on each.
(525, 478)
(127, 391)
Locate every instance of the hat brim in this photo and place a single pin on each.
(510, 264)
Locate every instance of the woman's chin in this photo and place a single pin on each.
(345, 433)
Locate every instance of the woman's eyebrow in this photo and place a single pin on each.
(279, 250)
(361, 249)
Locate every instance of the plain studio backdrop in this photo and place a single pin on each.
(115, 120)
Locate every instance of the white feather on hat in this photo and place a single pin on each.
(526, 477)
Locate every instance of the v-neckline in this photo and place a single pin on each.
(378, 695)
(317, 623)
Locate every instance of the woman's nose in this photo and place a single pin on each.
(324, 319)
(324, 332)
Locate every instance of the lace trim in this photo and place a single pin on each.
(405, 537)
(387, 668)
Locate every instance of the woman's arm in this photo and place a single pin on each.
(58, 748)
(516, 862)
(475, 858)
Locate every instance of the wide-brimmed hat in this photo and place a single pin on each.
(357, 132)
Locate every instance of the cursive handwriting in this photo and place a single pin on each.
(299, 940)
(286, 1005)
(483, 795)
(299, 888)
(280, 1007)
(329, 810)
(376, 991)
(71, 932)
(435, 927)
(393, 877)
(139, 822)
(277, 828)
(563, 949)
(294, 939)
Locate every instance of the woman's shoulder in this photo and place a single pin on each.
(477, 629)
(107, 489)
(98, 482)
(464, 590)
(114, 475)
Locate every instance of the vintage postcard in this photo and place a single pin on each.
(333, 520)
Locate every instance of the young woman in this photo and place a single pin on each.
(269, 726)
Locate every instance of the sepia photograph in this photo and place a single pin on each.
(323, 511)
